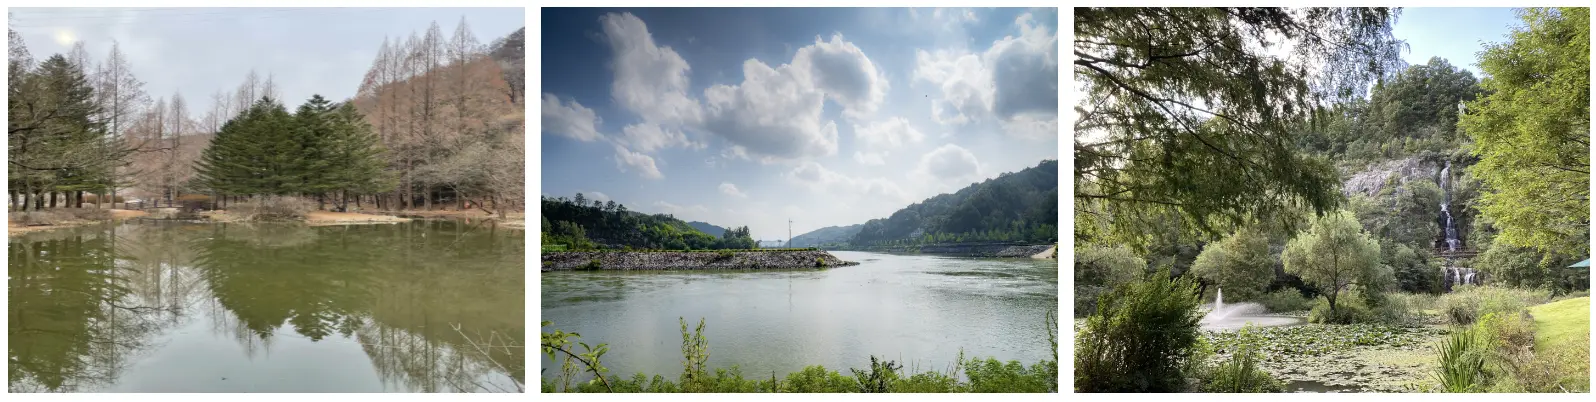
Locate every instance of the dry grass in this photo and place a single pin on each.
(318, 218)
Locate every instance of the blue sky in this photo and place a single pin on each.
(197, 51)
(1454, 34)
(824, 116)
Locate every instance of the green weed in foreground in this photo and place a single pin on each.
(988, 375)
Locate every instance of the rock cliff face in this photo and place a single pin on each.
(1373, 179)
(677, 260)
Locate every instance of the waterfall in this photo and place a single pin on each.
(1446, 199)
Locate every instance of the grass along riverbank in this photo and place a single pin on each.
(583, 371)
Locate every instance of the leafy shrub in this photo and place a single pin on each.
(818, 379)
(1098, 270)
(1140, 338)
(1240, 373)
(880, 378)
(1350, 309)
(1285, 300)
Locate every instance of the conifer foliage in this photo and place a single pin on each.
(322, 149)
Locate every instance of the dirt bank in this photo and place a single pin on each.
(681, 260)
(14, 228)
(1049, 253)
(324, 218)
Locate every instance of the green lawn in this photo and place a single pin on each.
(1562, 321)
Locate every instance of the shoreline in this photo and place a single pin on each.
(688, 260)
(515, 220)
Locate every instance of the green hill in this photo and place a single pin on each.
(1017, 206)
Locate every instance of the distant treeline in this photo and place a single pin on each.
(582, 224)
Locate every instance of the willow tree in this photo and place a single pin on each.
(1532, 132)
(1335, 254)
(1193, 111)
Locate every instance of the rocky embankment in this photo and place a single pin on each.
(681, 260)
(998, 250)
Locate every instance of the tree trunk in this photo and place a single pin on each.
(25, 200)
(426, 197)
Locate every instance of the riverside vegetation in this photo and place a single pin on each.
(965, 375)
(1418, 222)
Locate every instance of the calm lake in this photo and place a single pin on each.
(426, 306)
(917, 310)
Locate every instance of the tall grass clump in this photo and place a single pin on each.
(1468, 303)
(1140, 338)
(1240, 373)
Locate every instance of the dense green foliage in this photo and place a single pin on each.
(986, 376)
(1200, 118)
(1413, 112)
(319, 150)
(579, 224)
(1240, 262)
(1098, 270)
(1335, 254)
(1532, 132)
(1141, 338)
(1018, 206)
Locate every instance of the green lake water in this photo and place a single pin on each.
(917, 310)
(426, 306)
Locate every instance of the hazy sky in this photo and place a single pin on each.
(1454, 34)
(824, 116)
(197, 51)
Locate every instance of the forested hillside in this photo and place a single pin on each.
(1018, 206)
(579, 223)
(826, 235)
(705, 227)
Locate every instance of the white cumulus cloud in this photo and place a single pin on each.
(731, 190)
(569, 119)
(629, 161)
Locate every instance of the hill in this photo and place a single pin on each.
(580, 224)
(826, 235)
(712, 230)
(1017, 206)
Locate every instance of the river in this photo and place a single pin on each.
(176, 307)
(915, 309)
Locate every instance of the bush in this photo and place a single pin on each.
(1468, 303)
(58, 216)
(1350, 309)
(1098, 270)
(1285, 300)
(1141, 337)
(274, 207)
(1240, 373)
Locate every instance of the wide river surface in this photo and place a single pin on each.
(426, 306)
(918, 310)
